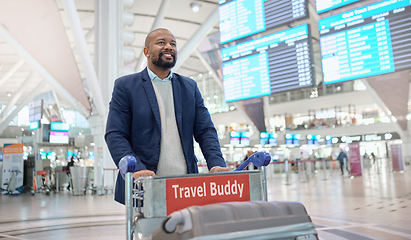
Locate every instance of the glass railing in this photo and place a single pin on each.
(215, 103)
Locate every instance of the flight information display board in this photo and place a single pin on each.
(368, 41)
(242, 18)
(327, 5)
(274, 63)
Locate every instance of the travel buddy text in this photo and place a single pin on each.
(212, 189)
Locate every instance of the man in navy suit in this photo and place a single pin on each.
(154, 117)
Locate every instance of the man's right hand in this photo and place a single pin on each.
(143, 173)
(219, 169)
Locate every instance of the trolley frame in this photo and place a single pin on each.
(145, 218)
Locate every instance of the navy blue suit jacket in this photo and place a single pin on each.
(133, 124)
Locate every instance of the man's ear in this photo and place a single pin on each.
(146, 53)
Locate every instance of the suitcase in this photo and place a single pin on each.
(239, 220)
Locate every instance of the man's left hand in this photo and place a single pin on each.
(219, 169)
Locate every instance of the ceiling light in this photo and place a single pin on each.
(195, 6)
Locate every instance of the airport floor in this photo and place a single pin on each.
(376, 205)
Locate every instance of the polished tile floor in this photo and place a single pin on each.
(376, 205)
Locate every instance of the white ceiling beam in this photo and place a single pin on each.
(160, 17)
(382, 106)
(209, 68)
(10, 73)
(91, 76)
(17, 95)
(88, 35)
(58, 104)
(198, 36)
(36, 91)
(43, 72)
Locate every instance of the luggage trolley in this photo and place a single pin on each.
(211, 206)
(164, 195)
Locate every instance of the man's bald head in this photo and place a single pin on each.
(149, 37)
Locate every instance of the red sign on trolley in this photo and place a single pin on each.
(186, 192)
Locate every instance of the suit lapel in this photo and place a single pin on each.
(177, 102)
(151, 95)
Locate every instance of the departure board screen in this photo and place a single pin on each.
(368, 41)
(327, 5)
(242, 18)
(274, 63)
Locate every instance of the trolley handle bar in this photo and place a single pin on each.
(259, 159)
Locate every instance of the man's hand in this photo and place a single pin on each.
(143, 173)
(219, 169)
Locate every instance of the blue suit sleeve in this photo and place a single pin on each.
(118, 126)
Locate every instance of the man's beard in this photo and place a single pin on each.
(160, 63)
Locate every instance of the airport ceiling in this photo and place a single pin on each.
(22, 76)
(19, 76)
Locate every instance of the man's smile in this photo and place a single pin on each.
(167, 55)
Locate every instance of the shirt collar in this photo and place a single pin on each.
(155, 78)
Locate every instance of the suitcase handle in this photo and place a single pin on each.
(177, 219)
(259, 159)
